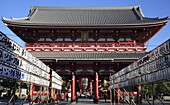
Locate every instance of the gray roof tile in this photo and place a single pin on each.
(88, 16)
(88, 55)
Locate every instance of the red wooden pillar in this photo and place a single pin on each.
(96, 90)
(73, 97)
(52, 93)
(56, 94)
(40, 94)
(117, 93)
(139, 94)
(91, 87)
(32, 88)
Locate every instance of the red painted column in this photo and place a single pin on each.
(117, 94)
(40, 94)
(57, 95)
(96, 90)
(139, 94)
(52, 93)
(31, 91)
(91, 87)
(73, 97)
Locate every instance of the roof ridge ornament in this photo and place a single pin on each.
(139, 7)
(33, 13)
(138, 12)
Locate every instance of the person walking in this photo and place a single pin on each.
(76, 98)
(67, 97)
(105, 96)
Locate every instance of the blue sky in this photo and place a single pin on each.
(150, 8)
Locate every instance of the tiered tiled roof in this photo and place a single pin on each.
(88, 55)
(89, 16)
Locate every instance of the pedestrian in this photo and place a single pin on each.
(105, 96)
(67, 97)
(162, 94)
(76, 99)
(131, 100)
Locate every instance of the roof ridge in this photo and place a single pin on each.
(85, 8)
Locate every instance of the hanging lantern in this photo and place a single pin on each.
(83, 83)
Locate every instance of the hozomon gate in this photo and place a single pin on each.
(91, 42)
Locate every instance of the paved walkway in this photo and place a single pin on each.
(85, 101)
(102, 102)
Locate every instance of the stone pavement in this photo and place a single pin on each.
(85, 101)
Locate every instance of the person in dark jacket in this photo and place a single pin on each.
(67, 96)
(76, 99)
(105, 96)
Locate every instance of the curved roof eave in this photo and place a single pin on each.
(24, 22)
(18, 24)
